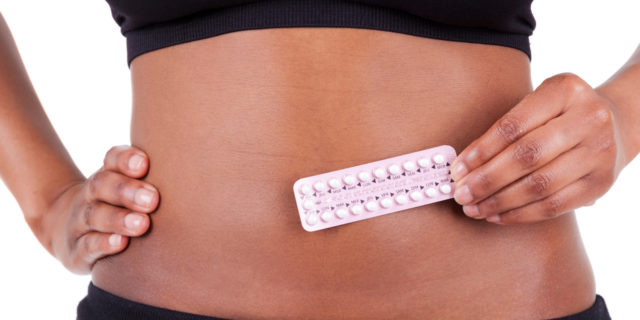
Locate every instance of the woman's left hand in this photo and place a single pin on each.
(556, 150)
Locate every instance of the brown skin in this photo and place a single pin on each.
(230, 122)
(560, 148)
(72, 216)
(216, 113)
(95, 217)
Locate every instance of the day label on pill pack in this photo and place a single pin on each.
(374, 189)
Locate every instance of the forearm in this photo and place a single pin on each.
(623, 89)
(34, 164)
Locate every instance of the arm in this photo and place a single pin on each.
(78, 220)
(33, 162)
(623, 90)
(559, 148)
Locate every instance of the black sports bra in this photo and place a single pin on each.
(153, 24)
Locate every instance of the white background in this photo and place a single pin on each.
(76, 58)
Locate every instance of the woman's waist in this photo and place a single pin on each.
(249, 261)
(230, 123)
(227, 228)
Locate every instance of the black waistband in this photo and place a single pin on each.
(102, 305)
(598, 311)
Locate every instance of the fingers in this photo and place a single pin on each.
(535, 186)
(114, 188)
(128, 160)
(105, 218)
(529, 153)
(566, 199)
(95, 245)
(553, 95)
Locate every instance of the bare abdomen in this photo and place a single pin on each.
(232, 121)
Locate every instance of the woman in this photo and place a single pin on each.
(202, 256)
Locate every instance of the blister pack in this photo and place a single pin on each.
(373, 189)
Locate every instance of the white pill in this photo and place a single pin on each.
(312, 219)
(380, 173)
(341, 213)
(335, 183)
(438, 158)
(306, 189)
(357, 209)
(320, 186)
(372, 206)
(350, 180)
(395, 169)
(409, 166)
(402, 199)
(364, 176)
(431, 192)
(326, 216)
(308, 204)
(386, 202)
(445, 188)
(416, 195)
(424, 162)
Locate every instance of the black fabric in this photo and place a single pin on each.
(153, 24)
(598, 311)
(102, 305)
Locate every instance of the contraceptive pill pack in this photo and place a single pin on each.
(374, 189)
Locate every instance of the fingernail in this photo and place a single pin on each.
(115, 240)
(495, 218)
(143, 196)
(132, 221)
(459, 170)
(463, 195)
(135, 162)
(471, 211)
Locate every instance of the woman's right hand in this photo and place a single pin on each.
(95, 217)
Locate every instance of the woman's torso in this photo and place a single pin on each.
(230, 122)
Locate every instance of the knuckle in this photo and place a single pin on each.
(114, 151)
(481, 181)
(116, 222)
(491, 205)
(552, 207)
(125, 189)
(589, 180)
(539, 182)
(122, 187)
(510, 217)
(606, 143)
(88, 247)
(528, 153)
(601, 115)
(570, 82)
(87, 215)
(510, 128)
(94, 183)
(114, 154)
(479, 153)
(111, 151)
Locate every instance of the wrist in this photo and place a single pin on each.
(41, 219)
(626, 113)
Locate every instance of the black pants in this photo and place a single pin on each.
(102, 305)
